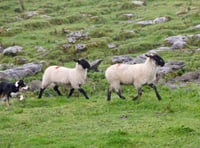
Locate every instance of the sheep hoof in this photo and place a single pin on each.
(108, 99)
(123, 98)
(159, 99)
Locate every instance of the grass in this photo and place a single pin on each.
(76, 122)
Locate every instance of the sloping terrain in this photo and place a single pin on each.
(54, 32)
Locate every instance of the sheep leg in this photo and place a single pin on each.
(119, 93)
(57, 90)
(139, 94)
(41, 91)
(71, 92)
(109, 94)
(83, 92)
(156, 91)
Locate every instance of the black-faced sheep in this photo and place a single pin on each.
(73, 77)
(6, 88)
(137, 75)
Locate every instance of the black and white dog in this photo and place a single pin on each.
(6, 88)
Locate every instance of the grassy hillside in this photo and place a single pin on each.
(59, 122)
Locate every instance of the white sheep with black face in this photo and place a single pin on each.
(137, 75)
(73, 77)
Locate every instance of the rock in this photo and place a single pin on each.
(121, 59)
(13, 50)
(177, 42)
(45, 16)
(138, 59)
(144, 23)
(95, 64)
(66, 46)
(40, 49)
(155, 21)
(73, 36)
(179, 45)
(160, 49)
(197, 36)
(30, 14)
(35, 85)
(128, 16)
(20, 72)
(71, 39)
(171, 66)
(174, 39)
(129, 31)
(128, 59)
(189, 77)
(198, 49)
(111, 45)
(80, 47)
(197, 26)
(160, 20)
(138, 3)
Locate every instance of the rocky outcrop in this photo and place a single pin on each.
(80, 47)
(20, 72)
(180, 41)
(40, 49)
(197, 26)
(77, 35)
(95, 64)
(139, 3)
(29, 14)
(177, 42)
(13, 50)
(154, 21)
(35, 85)
(189, 77)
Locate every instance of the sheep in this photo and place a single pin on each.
(72, 77)
(137, 74)
(6, 88)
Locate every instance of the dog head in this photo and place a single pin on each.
(20, 84)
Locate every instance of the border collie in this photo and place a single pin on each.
(6, 88)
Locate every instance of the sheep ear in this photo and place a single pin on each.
(148, 55)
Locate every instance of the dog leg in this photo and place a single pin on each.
(7, 102)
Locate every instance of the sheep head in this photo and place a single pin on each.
(159, 61)
(84, 63)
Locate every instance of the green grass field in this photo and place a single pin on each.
(55, 121)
